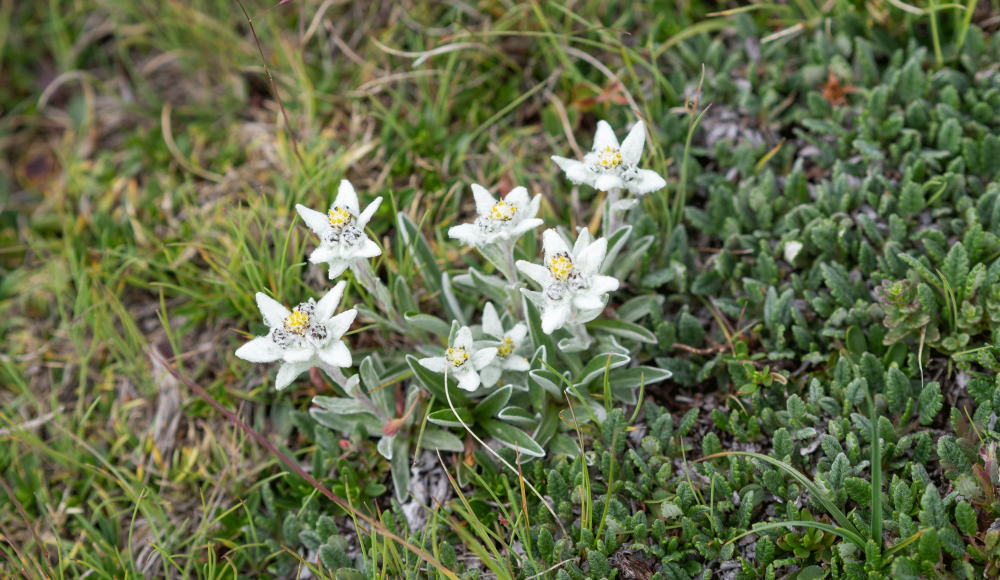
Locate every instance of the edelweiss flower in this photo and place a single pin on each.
(510, 341)
(572, 290)
(610, 166)
(341, 231)
(463, 360)
(308, 336)
(498, 221)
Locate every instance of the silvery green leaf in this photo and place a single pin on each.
(385, 446)
(631, 378)
(513, 437)
(583, 409)
(340, 405)
(382, 397)
(431, 324)
(624, 266)
(404, 297)
(442, 440)
(492, 404)
(494, 253)
(615, 244)
(547, 380)
(346, 423)
(564, 445)
(400, 467)
(635, 308)
(623, 329)
(446, 418)
(574, 344)
(451, 303)
(420, 250)
(491, 286)
(598, 365)
(518, 416)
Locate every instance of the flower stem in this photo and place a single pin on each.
(610, 219)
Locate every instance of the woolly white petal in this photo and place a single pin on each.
(366, 215)
(590, 258)
(260, 350)
(576, 171)
(490, 375)
(555, 316)
(608, 181)
(518, 197)
(603, 284)
(552, 244)
(491, 321)
(536, 272)
(288, 372)
(533, 207)
(340, 323)
(366, 248)
(327, 305)
(464, 338)
(631, 148)
(315, 220)
(468, 234)
(298, 354)
(588, 301)
(336, 354)
(484, 201)
(525, 226)
(272, 310)
(516, 363)
(583, 239)
(347, 198)
(646, 182)
(434, 363)
(518, 333)
(483, 357)
(324, 254)
(604, 137)
(338, 266)
(468, 380)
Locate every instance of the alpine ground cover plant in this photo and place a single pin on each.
(501, 290)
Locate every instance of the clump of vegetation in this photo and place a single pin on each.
(748, 330)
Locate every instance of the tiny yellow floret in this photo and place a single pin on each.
(609, 158)
(506, 347)
(297, 322)
(339, 217)
(561, 266)
(502, 212)
(457, 356)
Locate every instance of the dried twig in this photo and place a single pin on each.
(274, 87)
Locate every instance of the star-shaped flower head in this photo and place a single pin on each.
(463, 360)
(610, 166)
(499, 221)
(341, 230)
(307, 336)
(510, 342)
(572, 290)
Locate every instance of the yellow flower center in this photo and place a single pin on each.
(457, 356)
(297, 322)
(561, 266)
(502, 212)
(609, 158)
(506, 347)
(339, 217)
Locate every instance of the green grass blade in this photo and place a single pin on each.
(876, 458)
(803, 480)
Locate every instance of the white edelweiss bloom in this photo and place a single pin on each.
(341, 230)
(463, 360)
(308, 336)
(609, 166)
(572, 290)
(499, 221)
(510, 342)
